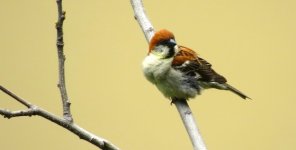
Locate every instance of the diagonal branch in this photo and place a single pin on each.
(22, 101)
(60, 47)
(181, 104)
(141, 17)
(74, 128)
(190, 124)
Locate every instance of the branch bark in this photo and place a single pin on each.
(141, 17)
(190, 124)
(181, 104)
(61, 57)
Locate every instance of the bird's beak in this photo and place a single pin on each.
(173, 41)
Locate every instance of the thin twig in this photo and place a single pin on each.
(60, 47)
(22, 101)
(33, 110)
(19, 113)
(181, 104)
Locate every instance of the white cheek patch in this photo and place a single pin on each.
(166, 51)
(176, 48)
(162, 50)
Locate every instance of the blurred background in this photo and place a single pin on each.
(252, 43)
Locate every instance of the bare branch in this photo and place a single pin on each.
(181, 104)
(141, 17)
(67, 120)
(190, 124)
(74, 128)
(60, 47)
(19, 113)
(22, 101)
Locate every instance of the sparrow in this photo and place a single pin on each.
(178, 72)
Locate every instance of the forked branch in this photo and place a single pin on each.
(34, 110)
(67, 120)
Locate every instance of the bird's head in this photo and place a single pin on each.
(163, 44)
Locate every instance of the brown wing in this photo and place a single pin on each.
(187, 61)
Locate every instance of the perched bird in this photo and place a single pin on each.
(178, 72)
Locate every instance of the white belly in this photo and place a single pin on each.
(169, 81)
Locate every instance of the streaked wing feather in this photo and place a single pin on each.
(187, 61)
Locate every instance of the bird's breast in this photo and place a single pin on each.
(155, 68)
(171, 82)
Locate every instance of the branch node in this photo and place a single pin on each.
(150, 29)
(63, 16)
(188, 112)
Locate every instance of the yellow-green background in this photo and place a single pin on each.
(251, 42)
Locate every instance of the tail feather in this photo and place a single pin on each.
(236, 91)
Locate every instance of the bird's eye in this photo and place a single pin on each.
(170, 43)
(166, 42)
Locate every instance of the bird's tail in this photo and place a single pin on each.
(236, 91)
